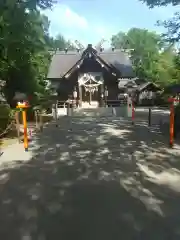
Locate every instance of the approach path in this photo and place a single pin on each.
(91, 178)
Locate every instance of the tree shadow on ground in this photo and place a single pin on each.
(102, 179)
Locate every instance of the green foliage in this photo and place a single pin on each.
(5, 116)
(153, 59)
(159, 3)
(60, 43)
(30, 4)
(24, 47)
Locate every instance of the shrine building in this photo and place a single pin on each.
(91, 73)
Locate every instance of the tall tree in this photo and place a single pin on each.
(23, 48)
(61, 43)
(166, 68)
(25, 45)
(152, 58)
(143, 46)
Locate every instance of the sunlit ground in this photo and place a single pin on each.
(102, 179)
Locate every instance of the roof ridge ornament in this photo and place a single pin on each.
(99, 46)
(79, 45)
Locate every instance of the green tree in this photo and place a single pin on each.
(24, 46)
(152, 58)
(60, 43)
(143, 48)
(176, 70)
(23, 39)
(166, 67)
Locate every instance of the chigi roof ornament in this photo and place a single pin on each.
(79, 45)
(99, 46)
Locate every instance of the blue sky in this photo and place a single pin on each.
(90, 20)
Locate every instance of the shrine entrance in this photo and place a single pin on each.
(90, 85)
(89, 94)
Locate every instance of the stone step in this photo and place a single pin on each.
(92, 112)
(93, 104)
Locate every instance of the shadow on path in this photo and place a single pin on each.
(104, 179)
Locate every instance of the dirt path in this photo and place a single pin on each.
(102, 179)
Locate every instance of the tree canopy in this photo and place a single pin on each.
(153, 59)
(29, 4)
(159, 3)
(24, 46)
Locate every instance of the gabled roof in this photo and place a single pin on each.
(62, 62)
(119, 60)
(143, 86)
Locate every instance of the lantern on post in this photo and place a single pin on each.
(55, 107)
(75, 93)
(23, 104)
(74, 97)
(106, 95)
(130, 101)
(38, 118)
(130, 88)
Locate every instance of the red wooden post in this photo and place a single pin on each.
(171, 123)
(171, 126)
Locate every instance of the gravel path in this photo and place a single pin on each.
(91, 179)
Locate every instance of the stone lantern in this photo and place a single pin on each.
(74, 97)
(106, 94)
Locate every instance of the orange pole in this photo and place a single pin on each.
(25, 130)
(171, 126)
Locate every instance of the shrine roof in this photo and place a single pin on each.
(148, 85)
(63, 61)
(119, 60)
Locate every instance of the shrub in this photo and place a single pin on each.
(5, 116)
(162, 100)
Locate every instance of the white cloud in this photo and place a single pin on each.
(62, 17)
(100, 30)
(72, 19)
(73, 26)
(104, 33)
